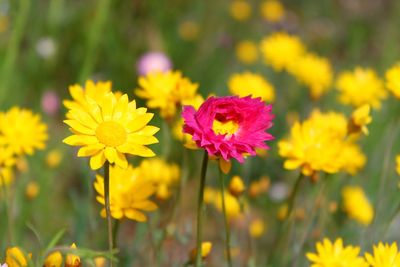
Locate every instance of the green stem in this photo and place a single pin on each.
(293, 194)
(107, 204)
(227, 230)
(96, 31)
(200, 208)
(7, 208)
(13, 46)
(115, 232)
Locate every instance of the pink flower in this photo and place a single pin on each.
(153, 61)
(229, 126)
(50, 102)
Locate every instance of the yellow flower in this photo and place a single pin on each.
(272, 11)
(334, 255)
(247, 83)
(246, 52)
(398, 164)
(256, 228)
(108, 130)
(282, 212)
(161, 174)
(240, 10)
(314, 72)
(32, 190)
(4, 23)
(53, 260)
(129, 193)
(189, 30)
(281, 49)
(53, 158)
(357, 205)
(360, 87)
(393, 80)
(72, 260)
(232, 205)
(22, 131)
(384, 256)
(320, 144)
(260, 186)
(166, 90)
(236, 186)
(15, 257)
(359, 120)
(206, 248)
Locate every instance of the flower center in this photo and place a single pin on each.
(225, 128)
(111, 133)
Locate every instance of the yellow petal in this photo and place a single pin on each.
(121, 161)
(79, 127)
(80, 140)
(145, 205)
(139, 122)
(148, 130)
(107, 106)
(135, 149)
(90, 150)
(97, 161)
(121, 107)
(141, 139)
(110, 154)
(135, 215)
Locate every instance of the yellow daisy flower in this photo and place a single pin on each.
(54, 259)
(240, 10)
(15, 257)
(393, 80)
(359, 120)
(314, 72)
(72, 260)
(129, 193)
(22, 131)
(256, 228)
(166, 91)
(385, 255)
(246, 52)
(398, 164)
(247, 83)
(109, 129)
(333, 255)
(357, 205)
(236, 186)
(281, 49)
(361, 86)
(272, 11)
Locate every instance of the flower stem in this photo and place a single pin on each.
(200, 208)
(227, 230)
(107, 204)
(8, 210)
(293, 194)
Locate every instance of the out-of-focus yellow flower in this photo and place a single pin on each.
(72, 260)
(232, 205)
(4, 22)
(32, 190)
(359, 120)
(166, 91)
(385, 255)
(161, 174)
(282, 212)
(110, 129)
(240, 10)
(247, 83)
(53, 158)
(21, 165)
(6, 176)
(272, 10)
(359, 87)
(53, 260)
(393, 80)
(357, 205)
(335, 254)
(320, 144)
(22, 131)
(256, 228)
(260, 186)
(210, 195)
(100, 262)
(15, 257)
(246, 52)
(398, 164)
(206, 248)
(314, 72)
(129, 193)
(7, 161)
(280, 50)
(188, 30)
(236, 186)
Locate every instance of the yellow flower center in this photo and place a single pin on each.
(111, 134)
(226, 127)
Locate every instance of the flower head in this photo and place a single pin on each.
(357, 205)
(385, 255)
(246, 52)
(153, 61)
(256, 228)
(50, 102)
(229, 127)
(393, 80)
(72, 260)
(359, 120)
(314, 72)
(240, 10)
(335, 254)
(129, 193)
(189, 30)
(236, 186)
(361, 86)
(280, 50)
(247, 83)
(166, 91)
(15, 257)
(206, 248)
(53, 260)
(398, 164)
(108, 128)
(22, 131)
(272, 10)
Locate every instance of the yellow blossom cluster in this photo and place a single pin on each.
(246, 52)
(393, 80)
(321, 143)
(330, 254)
(271, 10)
(357, 205)
(166, 91)
(232, 205)
(248, 83)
